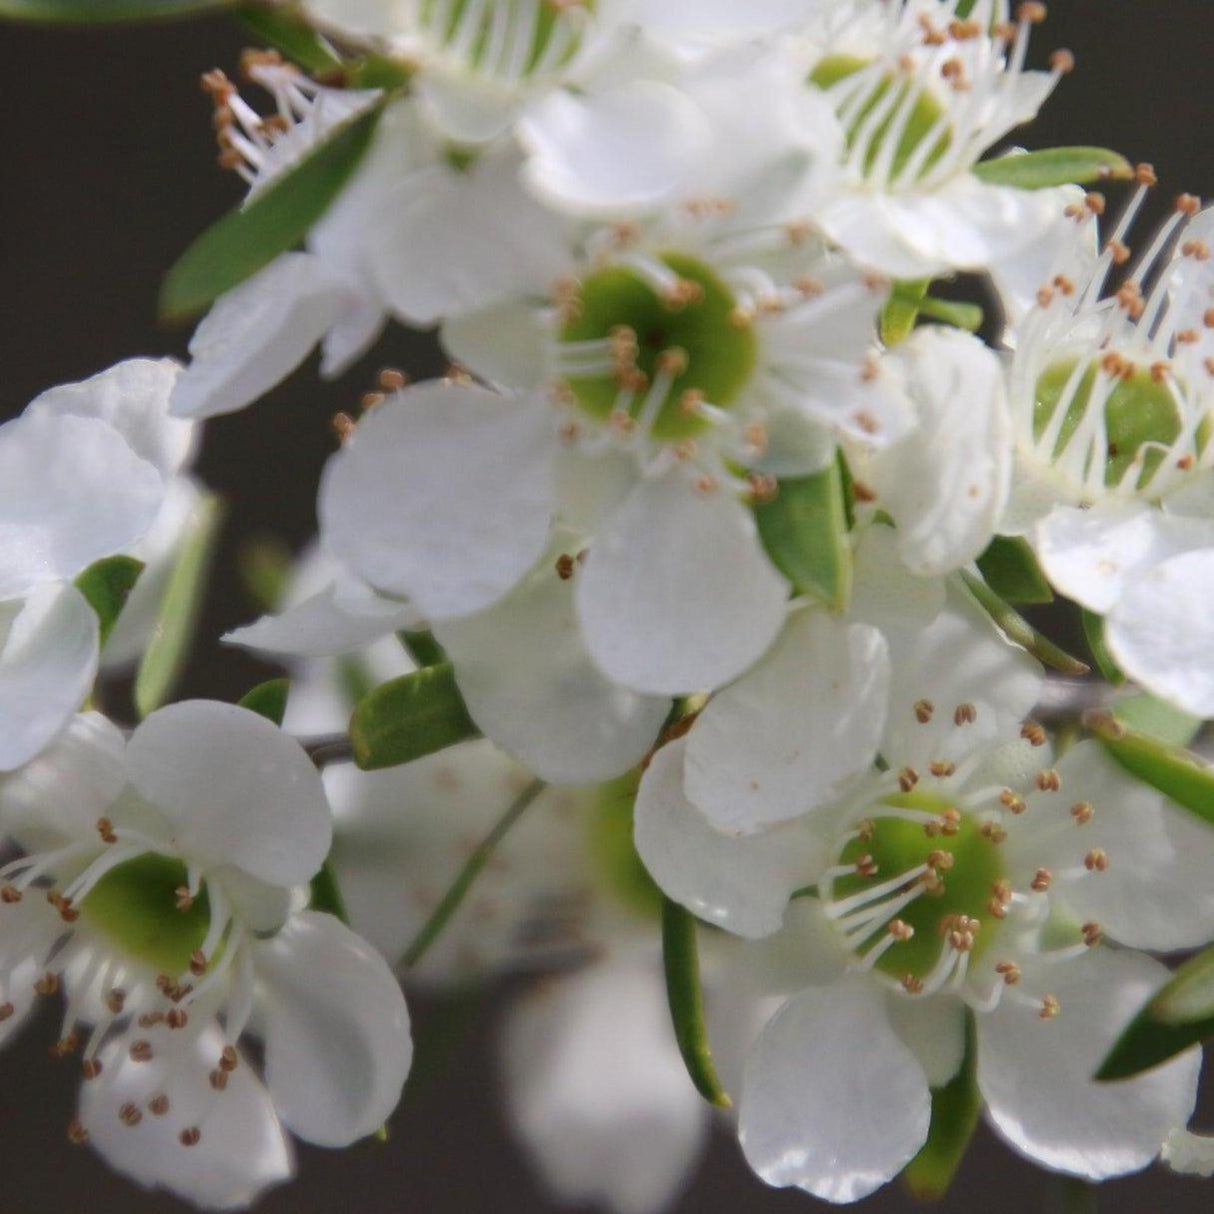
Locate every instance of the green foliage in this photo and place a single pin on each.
(1010, 569)
(273, 222)
(1053, 167)
(901, 309)
(804, 530)
(106, 12)
(107, 584)
(681, 959)
(1016, 628)
(268, 699)
(409, 717)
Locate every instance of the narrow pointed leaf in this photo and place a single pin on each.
(107, 584)
(325, 894)
(1156, 718)
(901, 309)
(1179, 1015)
(804, 530)
(1016, 628)
(955, 1110)
(681, 959)
(409, 717)
(1053, 167)
(1175, 772)
(106, 12)
(422, 647)
(169, 647)
(268, 699)
(276, 220)
(1093, 631)
(1010, 569)
(967, 316)
(282, 28)
(265, 566)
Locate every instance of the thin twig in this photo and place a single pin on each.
(451, 900)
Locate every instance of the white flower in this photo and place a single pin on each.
(967, 875)
(1111, 398)
(82, 476)
(157, 890)
(921, 95)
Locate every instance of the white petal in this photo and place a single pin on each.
(325, 625)
(442, 494)
(718, 21)
(1189, 1154)
(47, 666)
(789, 734)
(353, 331)
(133, 396)
(242, 1149)
(677, 594)
(833, 1101)
(452, 242)
(236, 789)
(59, 796)
(1092, 556)
(623, 148)
(1162, 632)
(591, 487)
(71, 491)
(934, 1031)
(1035, 1074)
(1156, 892)
(945, 484)
(742, 885)
(30, 929)
(256, 334)
(621, 1126)
(884, 591)
(503, 345)
(530, 685)
(336, 1030)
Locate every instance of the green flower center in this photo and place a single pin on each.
(919, 893)
(1141, 418)
(895, 107)
(135, 907)
(509, 38)
(659, 346)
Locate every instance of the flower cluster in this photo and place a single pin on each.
(712, 526)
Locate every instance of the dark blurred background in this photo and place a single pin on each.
(107, 171)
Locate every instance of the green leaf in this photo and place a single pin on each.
(1180, 1015)
(265, 566)
(409, 717)
(955, 1110)
(1147, 714)
(178, 616)
(276, 220)
(681, 959)
(422, 647)
(1010, 569)
(325, 894)
(1093, 631)
(1054, 166)
(105, 12)
(901, 309)
(1016, 628)
(804, 530)
(107, 584)
(1173, 771)
(281, 27)
(268, 699)
(967, 316)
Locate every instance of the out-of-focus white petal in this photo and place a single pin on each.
(789, 734)
(336, 1030)
(443, 494)
(48, 661)
(235, 788)
(71, 491)
(832, 1100)
(677, 594)
(256, 334)
(597, 1092)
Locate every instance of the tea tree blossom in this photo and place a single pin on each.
(967, 875)
(158, 890)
